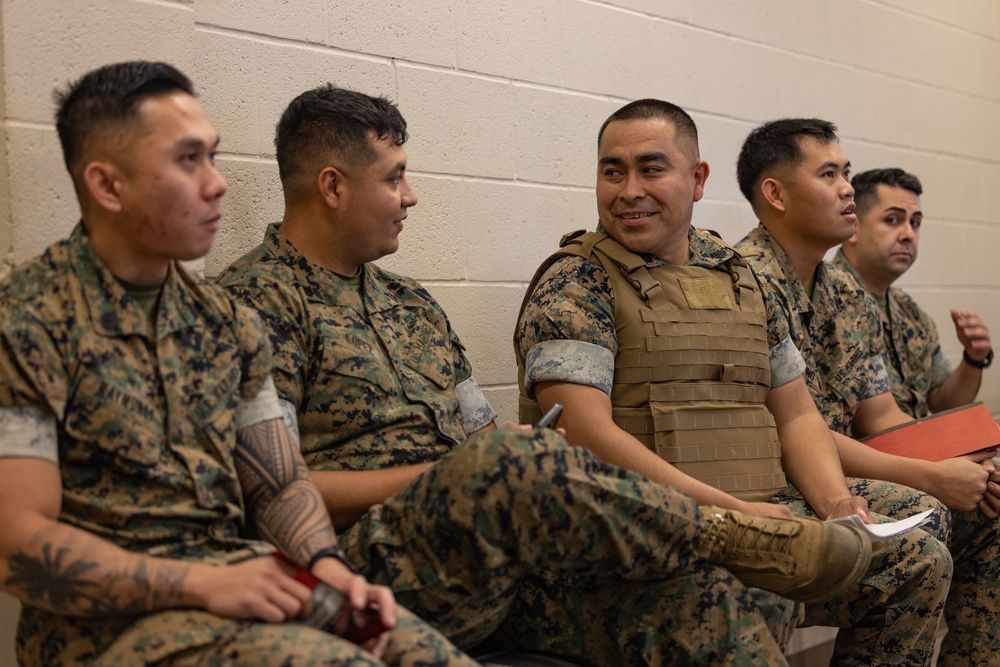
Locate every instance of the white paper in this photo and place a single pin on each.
(880, 531)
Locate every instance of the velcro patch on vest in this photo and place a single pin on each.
(706, 293)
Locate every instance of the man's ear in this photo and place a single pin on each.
(103, 182)
(701, 171)
(331, 184)
(772, 194)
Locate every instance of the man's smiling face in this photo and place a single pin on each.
(648, 180)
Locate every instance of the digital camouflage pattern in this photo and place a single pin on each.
(838, 331)
(673, 326)
(916, 365)
(371, 364)
(914, 359)
(517, 532)
(567, 331)
(510, 531)
(844, 332)
(147, 430)
(891, 617)
(216, 641)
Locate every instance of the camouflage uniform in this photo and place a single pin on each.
(839, 334)
(916, 364)
(567, 333)
(146, 430)
(510, 533)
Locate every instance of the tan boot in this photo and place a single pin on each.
(802, 559)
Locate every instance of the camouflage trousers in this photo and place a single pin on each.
(973, 607)
(893, 614)
(189, 638)
(543, 546)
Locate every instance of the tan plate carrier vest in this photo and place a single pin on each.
(692, 369)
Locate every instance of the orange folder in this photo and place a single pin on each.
(941, 436)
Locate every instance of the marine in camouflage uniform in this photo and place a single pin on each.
(567, 333)
(839, 332)
(914, 359)
(144, 435)
(510, 533)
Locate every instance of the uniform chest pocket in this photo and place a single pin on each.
(350, 361)
(427, 352)
(214, 412)
(117, 413)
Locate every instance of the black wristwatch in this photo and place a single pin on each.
(985, 363)
(333, 552)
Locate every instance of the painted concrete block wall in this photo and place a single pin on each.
(504, 99)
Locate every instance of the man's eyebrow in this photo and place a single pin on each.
(396, 168)
(897, 209)
(834, 165)
(640, 159)
(195, 142)
(653, 157)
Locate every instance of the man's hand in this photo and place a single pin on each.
(972, 333)
(853, 505)
(990, 504)
(361, 596)
(767, 509)
(261, 588)
(960, 482)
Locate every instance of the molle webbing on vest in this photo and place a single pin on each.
(693, 367)
(691, 345)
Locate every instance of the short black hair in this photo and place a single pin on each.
(648, 109)
(105, 100)
(330, 122)
(777, 144)
(866, 185)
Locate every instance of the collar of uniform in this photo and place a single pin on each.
(179, 307)
(892, 294)
(777, 267)
(312, 279)
(840, 262)
(706, 250)
(322, 285)
(112, 311)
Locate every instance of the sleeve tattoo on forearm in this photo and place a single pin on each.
(281, 497)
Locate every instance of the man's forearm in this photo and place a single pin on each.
(281, 497)
(587, 419)
(860, 460)
(56, 566)
(959, 388)
(69, 571)
(348, 494)
(812, 463)
(809, 454)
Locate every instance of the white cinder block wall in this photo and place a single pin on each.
(504, 99)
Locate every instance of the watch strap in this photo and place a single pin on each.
(333, 552)
(985, 363)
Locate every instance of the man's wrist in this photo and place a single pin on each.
(333, 552)
(985, 363)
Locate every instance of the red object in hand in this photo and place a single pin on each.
(328, 604)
